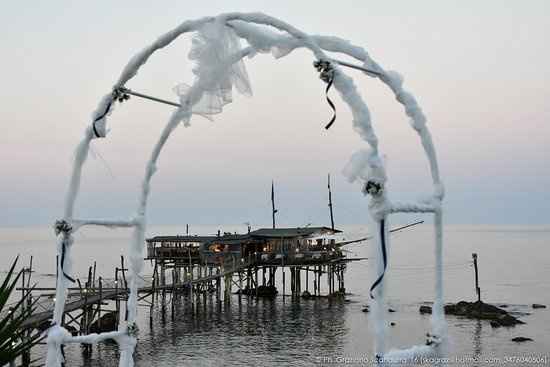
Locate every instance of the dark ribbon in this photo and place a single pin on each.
(384, 257)
(61, 226)
(330, 104)
(96, 133)
(327, 75)
(67, 276)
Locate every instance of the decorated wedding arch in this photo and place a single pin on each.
(219, 69)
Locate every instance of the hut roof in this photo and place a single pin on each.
(293, 232)
(259, 233)
(181, 239)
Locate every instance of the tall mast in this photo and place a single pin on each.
(273, 210)
(330, 204)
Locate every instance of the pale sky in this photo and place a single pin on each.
(480, 70)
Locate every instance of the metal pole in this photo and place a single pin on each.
(160, 100)
(478, 290)
(330, 204)
(137, 94)
(357, 67)
(273, 210)
(284, 285)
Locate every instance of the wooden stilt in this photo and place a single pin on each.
(284, 284)
(307, 279)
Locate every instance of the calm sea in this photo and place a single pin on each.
(514, 270)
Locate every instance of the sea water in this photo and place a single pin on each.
(514, 270)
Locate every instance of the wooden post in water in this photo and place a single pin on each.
(478, 290)
(292, 281)
(125, 284)
(330, 204)
(284, 284)
(343, 284)
(298, 282)
(315, 280)
(26, 355)
(219, 286)
(307, 279)
(333, 271)
(273, 210)
(93, 278)
(328, 280)
(240, 285)
(117, 301)
(172, 309)
(163, 285)
(100, 284)
(248, 278)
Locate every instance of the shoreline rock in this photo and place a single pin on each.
(521, 339)
(108, 323)
(478, 310)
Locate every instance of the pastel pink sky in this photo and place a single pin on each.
(480, 70)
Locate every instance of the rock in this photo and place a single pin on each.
(263, 291)
(108, 323)
(267, 291)
(44, 325)
(508, 320)
(521, 339)
(391, 310)
(425, 309)
(366, 309)
(339, 295)
(478, 310)
(538, 305)
(503, 306)
(71, 329)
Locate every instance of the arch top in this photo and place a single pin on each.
(257, 30)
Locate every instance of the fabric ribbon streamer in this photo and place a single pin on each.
(67, 276)
(327, 75)
(62, 226)
(384, 256)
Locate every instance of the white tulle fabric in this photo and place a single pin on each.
(212, 48)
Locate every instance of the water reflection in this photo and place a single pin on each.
(477, 346)
(267, 332)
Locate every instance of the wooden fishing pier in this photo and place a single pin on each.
(291, 262)
(298, 263)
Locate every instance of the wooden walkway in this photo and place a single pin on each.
(93, 296)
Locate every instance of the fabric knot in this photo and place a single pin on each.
(325, 69)
(373, 188)
(132, 329)
(62, 226)
(120, 94)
